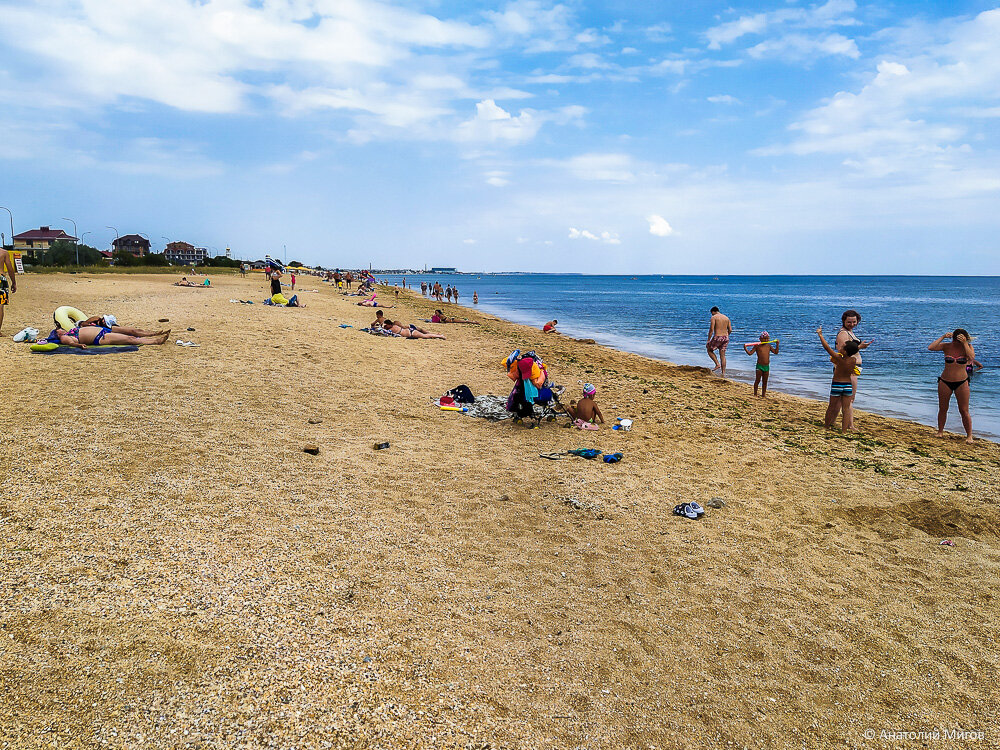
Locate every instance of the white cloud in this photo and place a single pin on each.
(800, 47)
(601, 167)
(493, 124)
(469, 242)
(908, 117)
(659, 226)
(207, 56)
(792, 27)
(723, 99)
(609, 238)
(497, 178)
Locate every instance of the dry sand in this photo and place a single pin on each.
(178, 573)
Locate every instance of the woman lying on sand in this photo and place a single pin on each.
(111, 322)
(380, 321)
(440, 317)
(410, 332)
(958, 353)
(101, 336)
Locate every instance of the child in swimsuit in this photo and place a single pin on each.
(841, 390)
(763, 368)
(585, 414)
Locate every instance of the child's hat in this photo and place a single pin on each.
(765, 335)
(589, 389)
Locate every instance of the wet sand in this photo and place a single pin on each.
(179, 573)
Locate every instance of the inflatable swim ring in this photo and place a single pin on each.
(67, 317)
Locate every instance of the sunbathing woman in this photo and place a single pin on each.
(958, 353)
(370, 302)
(111, 322)
(410, 332)
(440, 317)
(379, 322)
(81, 338)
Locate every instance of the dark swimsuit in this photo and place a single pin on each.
(955, 384)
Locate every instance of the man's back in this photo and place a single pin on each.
(721, 325)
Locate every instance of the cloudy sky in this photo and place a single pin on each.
(669, 137)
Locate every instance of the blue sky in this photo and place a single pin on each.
(677, 137)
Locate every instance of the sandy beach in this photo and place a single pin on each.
(178, 573)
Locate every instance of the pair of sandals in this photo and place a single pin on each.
(690, 510)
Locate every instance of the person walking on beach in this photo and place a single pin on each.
(762, 369)
(292, 276)
(243, 270)
(8, 281)
(718, 338)
(475, 297)
(454, 293)
(423, 288)
(958, 355)
(840, 389)
(849, 320)
(447, 292)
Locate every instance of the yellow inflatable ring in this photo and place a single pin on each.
(67, 317)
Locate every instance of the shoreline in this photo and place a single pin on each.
(907, 398)
(177, 566)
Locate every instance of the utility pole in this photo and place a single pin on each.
(76, 239)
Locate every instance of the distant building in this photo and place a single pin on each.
(443, 270)
(36, 241)
(132, 243)
(185, 254)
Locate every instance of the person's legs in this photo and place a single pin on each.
(831, 412)
(756, 381)
(854, 388)
(962, 394)
(711, 354)
(763, 384)
(847, 409)
(944, 396)
(722, 356)
(120, 339)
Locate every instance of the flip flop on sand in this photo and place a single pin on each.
(696, 508)
(556, 456)
(685, 509)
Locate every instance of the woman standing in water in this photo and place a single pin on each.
(849, 321)
(958, 353)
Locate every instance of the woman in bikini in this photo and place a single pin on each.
(101, 336)
(410, 332)
(849, 320)
(958, 353)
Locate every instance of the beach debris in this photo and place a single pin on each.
(315, 420)
(186, 343)
(946, 543)
(577, 504)
(716, 502)
(505, 498)
(381, 446)
(163, 320)
(312, 450)
(190, 329)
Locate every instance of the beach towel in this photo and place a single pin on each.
(62, 349)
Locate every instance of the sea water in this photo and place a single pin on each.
(667, 317)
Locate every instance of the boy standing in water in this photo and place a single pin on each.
(841, 391)
(764, 350)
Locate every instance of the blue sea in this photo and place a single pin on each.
(667, 317)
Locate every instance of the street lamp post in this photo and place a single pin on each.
(76, 239)
(117, 236)
(11, 224)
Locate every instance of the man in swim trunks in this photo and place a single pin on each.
(7, 271)
(718, 338)
(550, 327)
